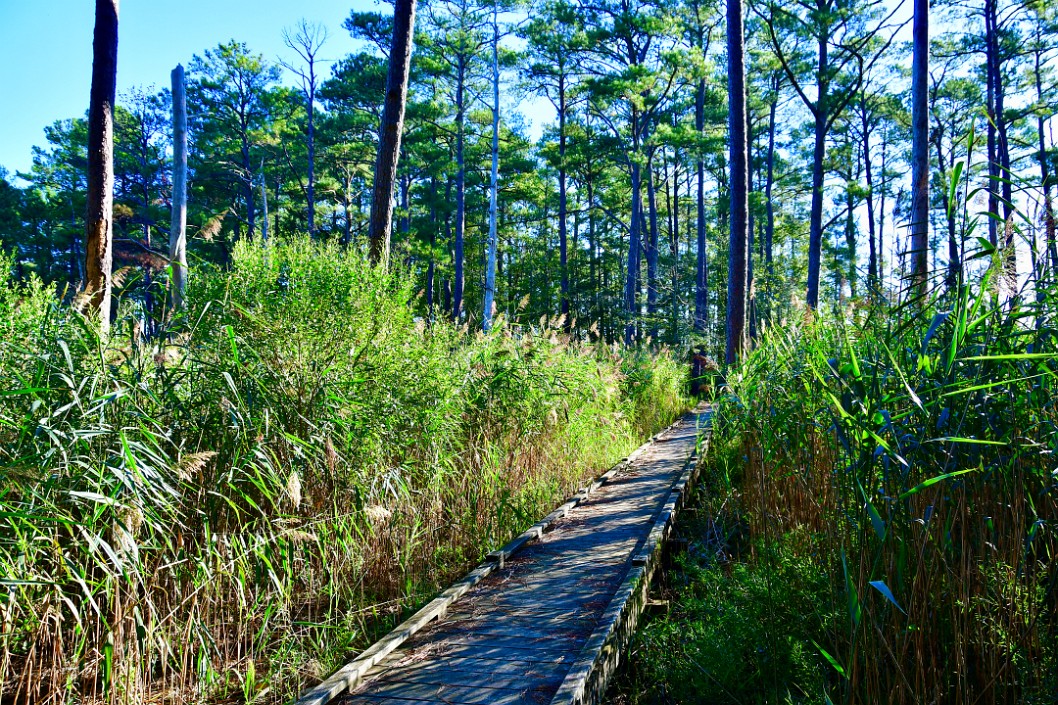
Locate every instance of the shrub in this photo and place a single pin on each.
(229, 510)
(740, 633)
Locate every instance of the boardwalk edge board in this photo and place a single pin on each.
(586, 682)
(349, 676)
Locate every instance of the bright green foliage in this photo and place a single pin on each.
(913, 455)
(232, 511)
(742, 635)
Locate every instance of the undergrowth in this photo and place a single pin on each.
(228, 511)
(879, 520)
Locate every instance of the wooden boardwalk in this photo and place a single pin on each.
(546, 620)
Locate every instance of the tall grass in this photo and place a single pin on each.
(909, 456)
(230, 511)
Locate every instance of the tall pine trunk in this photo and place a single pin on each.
(247, 189)
(701, 287)
(99, 232)
(991, 18)
(1045, 176)
(739, 184)
(674, 249)
(769, 232)
(264, 206)
(563, 246)
(431, 266)
(178, 225)
(381, 221)
(821, 115)
(751, 286)
(632, 271)
(920, 149)
(493, 243)
(872, 251)
(461, 190)
(652, 252)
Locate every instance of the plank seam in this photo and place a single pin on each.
(351, 674)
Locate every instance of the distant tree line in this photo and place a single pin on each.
(617, 218)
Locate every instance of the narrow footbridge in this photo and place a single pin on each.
(546, 618)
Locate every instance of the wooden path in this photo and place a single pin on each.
(546, 618)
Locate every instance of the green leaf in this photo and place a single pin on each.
(934, 480)
(881, 587)
(876, 519)
(959, 439)
(231, 339)
(956, 173)
(833, 661)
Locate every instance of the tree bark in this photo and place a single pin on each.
(990, 17)
(872, 256)
(674, 248)
(1045, 177)
(769, 232)
(632, 271)
(264, 206)
(701, 288)
(99, 232)
(739, 184)
(432, 261)
(381, 227)
(490, 263)
(311, 138)
(821, 113)
(652, 252)
(247, 188)
(563, 199)
(457, 284)
(751, 285)
(920, 150)
(178, 227)
(881, 214)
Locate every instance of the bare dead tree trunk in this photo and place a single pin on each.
(99, 232)
(307, 41)
(381, 226)
(178, 227)
(920, 150)
(739, 188)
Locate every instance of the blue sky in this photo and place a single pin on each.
(47, 68)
